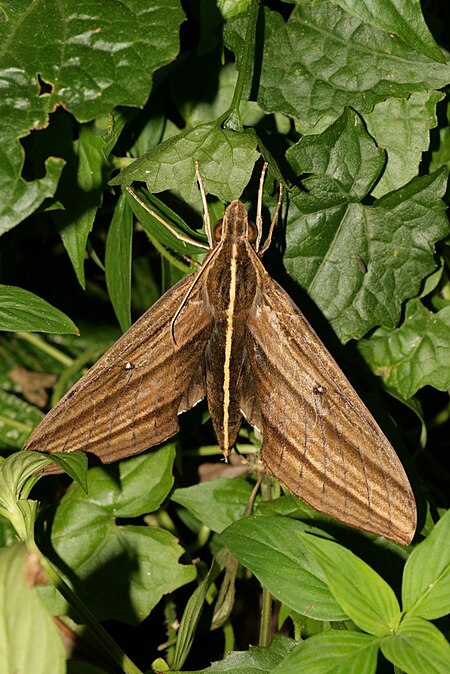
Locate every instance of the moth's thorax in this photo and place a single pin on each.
(232, 276)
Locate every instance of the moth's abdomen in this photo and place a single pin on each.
(224, 359)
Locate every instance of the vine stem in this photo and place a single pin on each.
(232, 116)
(266, 617)
(266, 601)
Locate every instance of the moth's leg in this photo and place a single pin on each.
(273, 223)
(206, 217)
(194, 263)
(251, 500)
(259, 223)
(173, 231)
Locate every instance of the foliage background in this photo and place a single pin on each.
(350, 108)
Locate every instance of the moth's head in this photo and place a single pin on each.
(235, 225)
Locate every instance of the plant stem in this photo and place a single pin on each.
(170, 617)
(232, 116)
(214, 450)
(266, 602)
(229, 641)
(266, 615)
(37, 341)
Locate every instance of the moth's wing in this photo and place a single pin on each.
(129, 400)
(319, 438)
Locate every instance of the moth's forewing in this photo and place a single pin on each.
(130, 399)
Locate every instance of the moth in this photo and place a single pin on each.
(229, 333)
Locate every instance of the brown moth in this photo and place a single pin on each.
(229, 332)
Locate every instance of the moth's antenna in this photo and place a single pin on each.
(259, 224)
(173, 231)
(206, 219)
(207, 222)
(273, 223)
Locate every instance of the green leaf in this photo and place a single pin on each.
(229, 8)
(140, 562)
(122, 40)
(87, 73)
(332, 59)
(426, 579)
(191, 617)
(256, 660)
(216, 503)
(29, 636)
(295, 508)
(330, 233)
(19, 472)
(416, 407)
(82, 193)
(18, 476)
(402, 17)
(402, 128)
(75, 464)
(22, 197)
(415, 354)
(334, 652)
(118, 261)
(440, 154)
(344, 156)
(273, 549)
(21, 310)
(418, 647)
(110, 126)
(226, 162)
(364, 596)
(8, 536)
